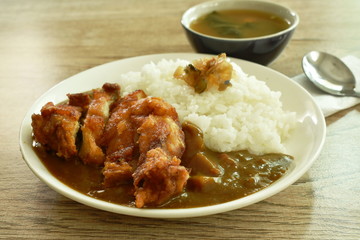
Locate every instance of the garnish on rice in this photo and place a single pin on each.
(205, 73)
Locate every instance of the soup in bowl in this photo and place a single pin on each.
(251, 30)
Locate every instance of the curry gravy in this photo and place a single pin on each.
(214, 177)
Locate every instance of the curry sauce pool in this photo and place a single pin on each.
(214, 177)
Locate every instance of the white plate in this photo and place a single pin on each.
(304, 144)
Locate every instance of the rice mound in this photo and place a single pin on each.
(246, 116)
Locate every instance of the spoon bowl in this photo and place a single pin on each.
(329, 74)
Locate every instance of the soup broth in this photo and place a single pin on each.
(239, 24)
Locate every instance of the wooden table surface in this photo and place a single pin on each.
(43, 42)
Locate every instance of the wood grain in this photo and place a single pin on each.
(43, 42)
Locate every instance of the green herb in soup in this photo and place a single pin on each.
(239, 24)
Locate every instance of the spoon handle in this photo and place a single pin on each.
(351, 93)
(356, 94)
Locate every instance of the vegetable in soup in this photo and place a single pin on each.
(239, 24)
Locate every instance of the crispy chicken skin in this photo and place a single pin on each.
(119, 139)
(162, 132)
(138, 125)
(116, 173)
(158, 178)
(81, 100)
(56, 128)
(152, 106)
(97, 115)
(159, 175)
(120, 133)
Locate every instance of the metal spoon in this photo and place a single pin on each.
(329, 74)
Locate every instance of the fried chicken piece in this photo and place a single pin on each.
(162, 132)
(120, 132)
(56, 128)
(145, 142)
(81, 100)
(119, 139)
(116, 173)
(159, 175)
(152, 106)
(206, 73)
(96, 117)
(158, 179)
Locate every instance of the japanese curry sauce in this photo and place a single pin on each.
(214, 177)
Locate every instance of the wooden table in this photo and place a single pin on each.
(43, 42)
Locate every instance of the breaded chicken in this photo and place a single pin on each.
(152, 106)
(159, 178)
(119, 139)
(138, 125)
(117, 173)
(159, 175)
(56, 128)
(162, 132)
(97, 115)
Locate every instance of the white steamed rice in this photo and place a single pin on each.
(246, 116)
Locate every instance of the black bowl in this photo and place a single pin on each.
(262, 50)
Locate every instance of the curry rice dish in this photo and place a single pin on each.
(139, 149)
